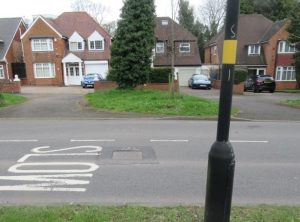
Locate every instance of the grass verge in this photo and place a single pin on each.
(292, 102)
(261, 213)
(7, 99)
(153, 102)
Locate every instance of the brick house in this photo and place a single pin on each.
(262, 49)
(60, 51)
(11, 54)
(186, 57)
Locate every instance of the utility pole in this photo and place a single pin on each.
(221, 160)
(172, 52)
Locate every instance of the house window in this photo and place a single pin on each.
(184, 47)
(160, 47)
(41, 45)
(254, 50)
(75, 46)
(96, 45)
(164, 22)
(286, 47)
(1, 72)
(44, 70)
(285, 73)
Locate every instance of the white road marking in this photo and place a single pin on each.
(18, 141)
(50, 181)
(95, 140)
(175, 141)
(41, 151)
(248, 141)
(65, 173)
(25, 157)
(91, 167)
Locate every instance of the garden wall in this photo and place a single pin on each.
(237, 88)
(7, 86)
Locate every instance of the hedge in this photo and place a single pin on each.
(240, 75)
(160, 75)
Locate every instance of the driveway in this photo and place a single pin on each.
(58, 102)
(256, 106)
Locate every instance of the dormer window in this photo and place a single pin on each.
(96, 45)
(76, 42)
(75, 46)
(254, 49)
(96, 42)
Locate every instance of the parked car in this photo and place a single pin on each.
(90, 78)
(260, 83)
(199, 81)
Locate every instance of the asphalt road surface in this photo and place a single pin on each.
(142, 161)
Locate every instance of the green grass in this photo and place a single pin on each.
(152, 102)
(292, 102)
(7, 99)
(262, 213)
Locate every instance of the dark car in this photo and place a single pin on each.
(89, 79)
(199, 81)
(260, 83)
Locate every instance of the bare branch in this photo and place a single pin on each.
(96, 10)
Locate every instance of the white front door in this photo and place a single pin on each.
(73, 74)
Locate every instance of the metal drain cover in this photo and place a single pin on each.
(127, 155)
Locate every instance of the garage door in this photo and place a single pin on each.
(100, 67)
(184, 75)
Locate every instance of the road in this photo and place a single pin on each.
(142, 161)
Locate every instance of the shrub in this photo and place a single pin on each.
(160, 75)
(240, 75)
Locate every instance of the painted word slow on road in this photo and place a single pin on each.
(52, 176)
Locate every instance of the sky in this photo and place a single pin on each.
(27, 8)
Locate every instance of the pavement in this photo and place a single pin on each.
(68, 102)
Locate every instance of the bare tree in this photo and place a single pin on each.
(96, 10)
(212, 14)
(110, 27)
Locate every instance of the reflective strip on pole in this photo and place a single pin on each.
(229, 51)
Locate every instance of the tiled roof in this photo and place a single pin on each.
(81, 22)
(275, 28)
(251, 29)
(8, 28)
(164, 32)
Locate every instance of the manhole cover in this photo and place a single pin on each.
(127, 155)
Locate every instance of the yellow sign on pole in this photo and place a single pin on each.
(229, 51)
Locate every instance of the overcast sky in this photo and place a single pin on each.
(27, 8)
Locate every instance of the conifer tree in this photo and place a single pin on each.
(133, 43)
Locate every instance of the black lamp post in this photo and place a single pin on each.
(221, 160)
